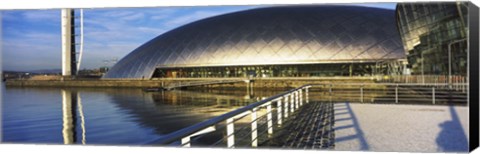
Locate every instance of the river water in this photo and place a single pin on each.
(110, 116)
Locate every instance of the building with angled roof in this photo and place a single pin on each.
(283, 41)
(429, 31)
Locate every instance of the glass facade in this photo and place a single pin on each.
(428, 30)
(266, 37)
(302, 70)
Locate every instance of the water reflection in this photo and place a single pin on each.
(169, 111)
(71, 101)
(112, 116)
(82, 118)
(68, 108)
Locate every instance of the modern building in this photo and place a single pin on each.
(434, 36)
(282, 41)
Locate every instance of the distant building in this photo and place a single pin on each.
(428, 30)
(286, 41)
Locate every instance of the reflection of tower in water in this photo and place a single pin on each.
(69, 117)
(70, 103)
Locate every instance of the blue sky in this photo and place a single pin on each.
(31, 39)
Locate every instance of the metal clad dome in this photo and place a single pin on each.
(275, 35)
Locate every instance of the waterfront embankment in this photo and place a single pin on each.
(162, 82)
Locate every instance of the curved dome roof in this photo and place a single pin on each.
(275, 35)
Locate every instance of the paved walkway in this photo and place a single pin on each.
(311, 127)
(376, 127)
(400, 128)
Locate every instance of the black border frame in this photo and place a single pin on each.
(473, 75)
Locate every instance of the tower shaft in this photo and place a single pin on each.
(68, 43)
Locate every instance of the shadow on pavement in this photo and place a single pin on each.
(358, 131)
(452, 137)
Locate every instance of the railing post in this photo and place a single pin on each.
(433, 94)
(330, 90)
(306, 95)
(186, 141)
(269, 119)
(286, 106)
(254, 127)
(230, 133)
(292, 102)
(279, 112)
(361, 93)
(301, 97)
(460, 83)
(455, 83)
(396, 94)
(297, 103)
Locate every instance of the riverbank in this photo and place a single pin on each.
(162, 82)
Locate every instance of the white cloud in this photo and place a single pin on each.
(135, 16)
(42, 15)
(123, 28)
(162, 13)
(32, 39)
(115, 13)
(151, 30)
(159, 17)
(188, 18)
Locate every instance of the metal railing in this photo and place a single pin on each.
(279, 109)
(286, 103)
(438, 79)
(411, 93)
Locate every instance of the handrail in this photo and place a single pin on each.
(185, 132)
(391, 84)
(292, 100)
(394, 92)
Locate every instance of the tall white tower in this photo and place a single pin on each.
(68, 43)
